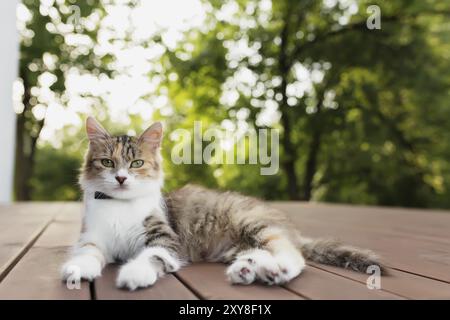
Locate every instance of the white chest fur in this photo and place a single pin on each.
(116, 226)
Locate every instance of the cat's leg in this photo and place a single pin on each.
(287, 256)
(86, 262)
(157, 258)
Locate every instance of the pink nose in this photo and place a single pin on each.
(121, 180)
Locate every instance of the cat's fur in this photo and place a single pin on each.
(155, 234)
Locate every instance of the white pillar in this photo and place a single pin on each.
(9, 55)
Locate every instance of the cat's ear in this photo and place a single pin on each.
(94, 129)
(152, 136)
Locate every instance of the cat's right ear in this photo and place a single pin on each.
(94, 129)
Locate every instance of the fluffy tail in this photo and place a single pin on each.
(332, 252)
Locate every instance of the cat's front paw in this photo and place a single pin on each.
(136, 274)
(81, 267)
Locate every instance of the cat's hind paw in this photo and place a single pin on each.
(261, 265)
(267, 269)
(241, 272)
(254, 265)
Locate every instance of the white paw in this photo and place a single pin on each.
(136, 274)
(289, 267)
(81, 267)
(162, 260)
(261, 265)
(267, 269)
(241, 272)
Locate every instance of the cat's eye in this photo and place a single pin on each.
(137, 164)
(107, 163)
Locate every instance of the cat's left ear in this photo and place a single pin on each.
(152, 136)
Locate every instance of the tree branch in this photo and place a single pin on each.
(360, 25)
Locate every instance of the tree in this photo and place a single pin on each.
(363, 113)
(341, 90)
(49, 48)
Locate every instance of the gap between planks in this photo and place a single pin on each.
(194, 291)
(36, 274)
(165, 288)
(51, 219)
(410, 254)
(420, 275)
(404, 284)
(12, 262)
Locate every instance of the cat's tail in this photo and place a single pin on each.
(334, 253)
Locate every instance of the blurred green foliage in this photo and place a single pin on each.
(375, 130)
(55, 176)
(45, 50)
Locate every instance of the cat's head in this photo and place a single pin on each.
(122, 167)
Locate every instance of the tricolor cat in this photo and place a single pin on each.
(127, 219)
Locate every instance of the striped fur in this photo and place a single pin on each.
(155, 234)
(207, 220)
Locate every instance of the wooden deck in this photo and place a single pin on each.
(415, 245)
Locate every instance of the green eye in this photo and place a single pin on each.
(137, 164)
(108, 163)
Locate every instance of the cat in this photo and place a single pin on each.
(128, 219)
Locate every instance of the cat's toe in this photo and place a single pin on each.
(81, 267)
(167, 261)
(136, 274)
(270, 275)
(241, 272)
(70, 271)
(267, 269)
(289, 268)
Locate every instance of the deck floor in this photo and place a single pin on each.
(414, 244)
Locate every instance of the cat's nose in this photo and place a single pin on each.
(120, 179)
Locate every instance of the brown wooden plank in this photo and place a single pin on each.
(410, 240)
(422, 223)
(426, 225)
(64, 229)
(405, 284)
(208, 281)
(167, 288)
(315, 283)
(415, 256)
(384, 232)
(36, 275)
(21, 224)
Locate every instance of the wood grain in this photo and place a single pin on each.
(167, 288)
(21, 225)
(208, 281)
(315, 283)
(401, 283)
(414, 244)
(414, 241)
(37, 274)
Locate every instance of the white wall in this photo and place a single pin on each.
(9, 54)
